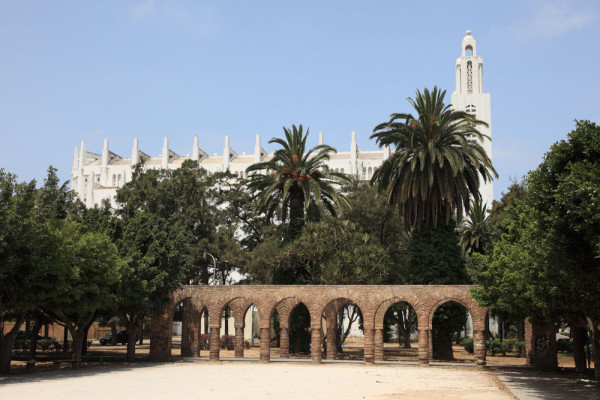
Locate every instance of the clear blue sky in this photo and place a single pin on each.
(83, 70)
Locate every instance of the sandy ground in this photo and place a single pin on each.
(200, 380)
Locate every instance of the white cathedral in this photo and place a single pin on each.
(96, 177)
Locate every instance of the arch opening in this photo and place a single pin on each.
(400, 333)
(449, 323)
(343, 333)
(468, 50)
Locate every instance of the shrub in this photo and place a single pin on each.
(564, 346)
(204, 341)
(468, 345)
(227, 342)
(520, 349)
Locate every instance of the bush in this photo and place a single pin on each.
(227, 342)
(497, 346)
(468, 345)
(204, 341)
(520, 349)
(564, 346)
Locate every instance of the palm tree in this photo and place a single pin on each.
(437, 161)
(475, 229)
(297, 181)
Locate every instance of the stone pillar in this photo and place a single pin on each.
(160, 337)
(315, 345)
(214, 343)
(369, 351)
(378, 343)
(423, 346)
(479, 347)
(544, 345)
(265, 345)
(239, 342)
(284, 342)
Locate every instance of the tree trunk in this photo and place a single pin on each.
(141, 342)
(132, 331)
(296, 212)
(596, 347)
(7, 341)
(113, 331)
(521, 330)
(65, 340)
(442, 345)
(578, 332)
(77, 336)
(34, 336)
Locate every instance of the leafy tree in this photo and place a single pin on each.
(547, 263)
(80, 279)
(22, 241)
(163, 216)
(334, 252)
(297, 181)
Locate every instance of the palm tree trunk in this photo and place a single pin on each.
(296, 212)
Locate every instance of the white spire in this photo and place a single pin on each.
(257, 150)
(76, 159)
(320, 137)
(165, 153)
(135, 152)
(195, 152)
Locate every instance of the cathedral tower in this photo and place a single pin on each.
(469, 97)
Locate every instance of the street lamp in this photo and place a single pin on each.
(215, 281)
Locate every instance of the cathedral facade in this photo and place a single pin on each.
(96, 177)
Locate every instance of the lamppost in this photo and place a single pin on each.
(215, 280)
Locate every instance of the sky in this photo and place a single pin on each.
(149, 69)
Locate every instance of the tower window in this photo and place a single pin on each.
(469, 77)
(472, 110)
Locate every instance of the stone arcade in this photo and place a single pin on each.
(322, 302)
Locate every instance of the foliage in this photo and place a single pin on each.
(333, 252)
(475, 231)
(437, 162)
(296, 181)
(468, 345)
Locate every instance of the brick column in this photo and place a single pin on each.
(378, 343)
(239, 342)
(331, 341)
(190, 330)
(529, 345)
(265, 345)
(214, 343)
(430, 341)
(369, 351)
(315, 345)
(284, 343)
(160, 337)
(423, 346)
(479, 347)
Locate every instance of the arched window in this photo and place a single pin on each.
(370, 173)
(342, 170)
(469, 50)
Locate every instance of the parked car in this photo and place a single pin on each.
(121, 338)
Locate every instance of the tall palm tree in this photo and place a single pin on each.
(437, 161)
(475, 229)
(297, 181)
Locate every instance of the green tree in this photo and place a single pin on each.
(297, 181)
(163, 216)
(547, 263)
(22, 243)
(79, 280)
(432, 174)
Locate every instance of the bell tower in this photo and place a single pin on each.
(469, 97)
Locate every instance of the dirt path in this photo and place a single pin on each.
(259, 381)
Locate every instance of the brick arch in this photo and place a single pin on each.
(471, 308)
(383, 307)
(425, 299)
